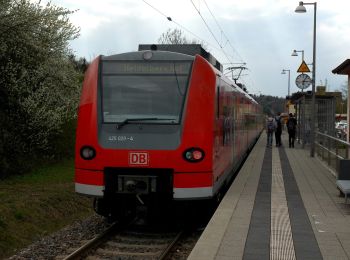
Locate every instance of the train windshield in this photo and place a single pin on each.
(140, 91)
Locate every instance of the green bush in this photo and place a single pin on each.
(39, 84)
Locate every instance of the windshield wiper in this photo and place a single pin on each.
(127, 120)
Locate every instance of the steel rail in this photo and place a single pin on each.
(170, 246)
(91, 243)
(101, 238)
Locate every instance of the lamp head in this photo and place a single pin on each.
(294, 53)
(301, 8)
(283, 72)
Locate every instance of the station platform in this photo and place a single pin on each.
(283, 204)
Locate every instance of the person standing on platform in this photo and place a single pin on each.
(278, 131)
(291, 126)
(270, 129)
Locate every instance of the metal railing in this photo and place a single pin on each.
(331, 149)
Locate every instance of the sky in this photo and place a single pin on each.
(260, 33)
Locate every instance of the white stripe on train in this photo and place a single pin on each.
(179, 193)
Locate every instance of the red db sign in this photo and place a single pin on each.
(138, 158)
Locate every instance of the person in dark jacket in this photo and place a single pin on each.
(278, 131)
(291, 126)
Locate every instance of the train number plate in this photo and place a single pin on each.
(139, 158)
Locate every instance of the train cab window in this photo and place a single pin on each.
(153, 92)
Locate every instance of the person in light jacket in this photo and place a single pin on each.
(270, 129)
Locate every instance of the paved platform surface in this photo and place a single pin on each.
(282, 205)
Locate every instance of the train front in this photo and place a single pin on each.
(145, 131)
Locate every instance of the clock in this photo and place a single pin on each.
(303, 81)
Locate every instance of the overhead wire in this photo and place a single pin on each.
(211, 32)
(187, 30)
(167, 17)
(170, 19)
(252, 84)
(181, 26)
(222, 31)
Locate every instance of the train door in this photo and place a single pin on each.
(228, 123)
(238, 128)
(217, 129)
(234, 127)
(248, 126)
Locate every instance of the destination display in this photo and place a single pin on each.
(146, 68)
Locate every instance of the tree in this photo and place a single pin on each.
(173, 36)
(271, 105)
(177, 36)
(342, 105)
(344, 91)
(39, 86)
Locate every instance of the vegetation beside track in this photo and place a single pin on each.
(37, 204)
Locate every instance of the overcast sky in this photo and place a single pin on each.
(261, 33)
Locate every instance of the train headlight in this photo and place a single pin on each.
(194, 154)
(87, 153)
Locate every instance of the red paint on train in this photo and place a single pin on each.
(219, 124)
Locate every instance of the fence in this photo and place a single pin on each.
(324, 116)
(331, 149)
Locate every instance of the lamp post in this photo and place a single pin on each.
(301, 9)
(295, 53)
(284, 72)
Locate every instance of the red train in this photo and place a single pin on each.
(156, 127)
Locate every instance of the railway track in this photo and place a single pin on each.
(127, 243)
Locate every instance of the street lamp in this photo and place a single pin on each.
(301, 9)
(284, 72)
(295, 53)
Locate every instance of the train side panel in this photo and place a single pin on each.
(88, 174)
(197, 132)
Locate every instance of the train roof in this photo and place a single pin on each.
(139, 55)
(189, 49)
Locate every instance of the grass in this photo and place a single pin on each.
(37, 204)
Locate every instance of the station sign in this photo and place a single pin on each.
(303, 68)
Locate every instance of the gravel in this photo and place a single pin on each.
(183, 248)
(62, 243)
(58, 243)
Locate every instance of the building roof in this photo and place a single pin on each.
(343, 69)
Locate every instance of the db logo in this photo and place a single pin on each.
(138, 158)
